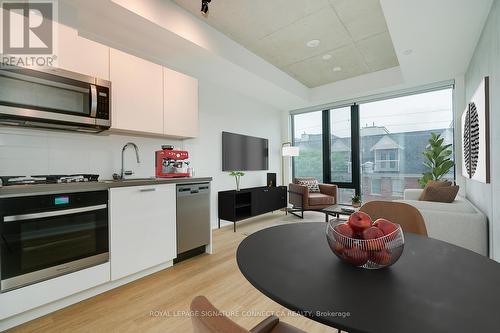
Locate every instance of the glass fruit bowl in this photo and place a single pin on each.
(370, 254)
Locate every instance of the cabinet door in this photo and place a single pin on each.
(81, 55)
(180, 104)
(143, 230)
(261, 203)
(279, 198)
(137, 93)
(268, 200)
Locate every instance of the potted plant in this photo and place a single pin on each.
(356, 201)
(237, 175)
(437, 159)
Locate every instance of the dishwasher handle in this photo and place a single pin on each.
(192, 189)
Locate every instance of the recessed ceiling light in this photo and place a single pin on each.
(407, 52)
(313, 43)
(327, 57)
(337, 69)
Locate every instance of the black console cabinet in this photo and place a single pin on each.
(235, 206)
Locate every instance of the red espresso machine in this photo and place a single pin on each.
(171, 163)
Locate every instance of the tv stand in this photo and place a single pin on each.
(240, 205)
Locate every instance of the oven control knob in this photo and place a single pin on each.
(178, 155)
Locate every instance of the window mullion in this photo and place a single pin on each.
(327, 172)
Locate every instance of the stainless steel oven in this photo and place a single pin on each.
(48, 235)
(54, 98)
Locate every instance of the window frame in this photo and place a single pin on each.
(355, 132)
(355, 160)
(396, 160)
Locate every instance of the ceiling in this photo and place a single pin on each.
(441, 46)
(353, 32)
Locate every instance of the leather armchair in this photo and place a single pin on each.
(207, 318)
(303, 200)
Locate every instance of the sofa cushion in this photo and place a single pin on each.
(311, 183)
(440, 194)
(433, 183)
(319, 199)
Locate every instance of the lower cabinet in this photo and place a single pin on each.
(143, 228)
(235, 206)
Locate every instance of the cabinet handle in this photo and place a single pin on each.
(147, 189)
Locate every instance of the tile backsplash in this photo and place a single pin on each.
(25, 151)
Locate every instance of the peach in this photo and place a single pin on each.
(386, 226)
(359, 221)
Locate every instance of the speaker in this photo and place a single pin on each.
(271, 179)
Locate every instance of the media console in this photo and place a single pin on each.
(235, 206)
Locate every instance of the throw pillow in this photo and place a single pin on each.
(311, 183)
(439, 183)
(433, 183)
(441, 194)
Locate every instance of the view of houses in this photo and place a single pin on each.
(390, 162)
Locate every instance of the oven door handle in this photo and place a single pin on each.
(14, 218)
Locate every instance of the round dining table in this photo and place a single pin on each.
(434, 286)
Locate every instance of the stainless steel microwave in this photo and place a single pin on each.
(54, 98)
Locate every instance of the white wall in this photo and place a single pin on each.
(30, 152)
(486, 62)
(224, 110)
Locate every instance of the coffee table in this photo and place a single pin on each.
(336, 211)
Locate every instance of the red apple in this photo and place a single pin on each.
(344, 229)
(355, 256)
(386, 226)
(359, 221)
(371, 234)
(382, 257)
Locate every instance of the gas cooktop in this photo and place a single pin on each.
(47, 179)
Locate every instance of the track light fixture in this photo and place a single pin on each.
(204, 7)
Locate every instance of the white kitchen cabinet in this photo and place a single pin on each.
(137, 94)
(180, 104)
(81, 55)
(143, 228)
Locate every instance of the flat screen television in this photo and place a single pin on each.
(243, 152)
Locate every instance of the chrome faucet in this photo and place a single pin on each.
(128, 173)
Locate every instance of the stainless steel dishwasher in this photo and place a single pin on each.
(193, 219)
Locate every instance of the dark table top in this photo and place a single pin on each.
(434, 287)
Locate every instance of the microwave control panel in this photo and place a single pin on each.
(102, 102)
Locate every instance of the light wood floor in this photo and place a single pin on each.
(128, 308)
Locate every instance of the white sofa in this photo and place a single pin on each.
(459, 222)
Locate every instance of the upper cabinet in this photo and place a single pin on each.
(78, 54)
(137, 94)
(180, 104)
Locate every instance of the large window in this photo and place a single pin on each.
(307, 131)
(393, 134)
(373, 149)
(340, 143)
